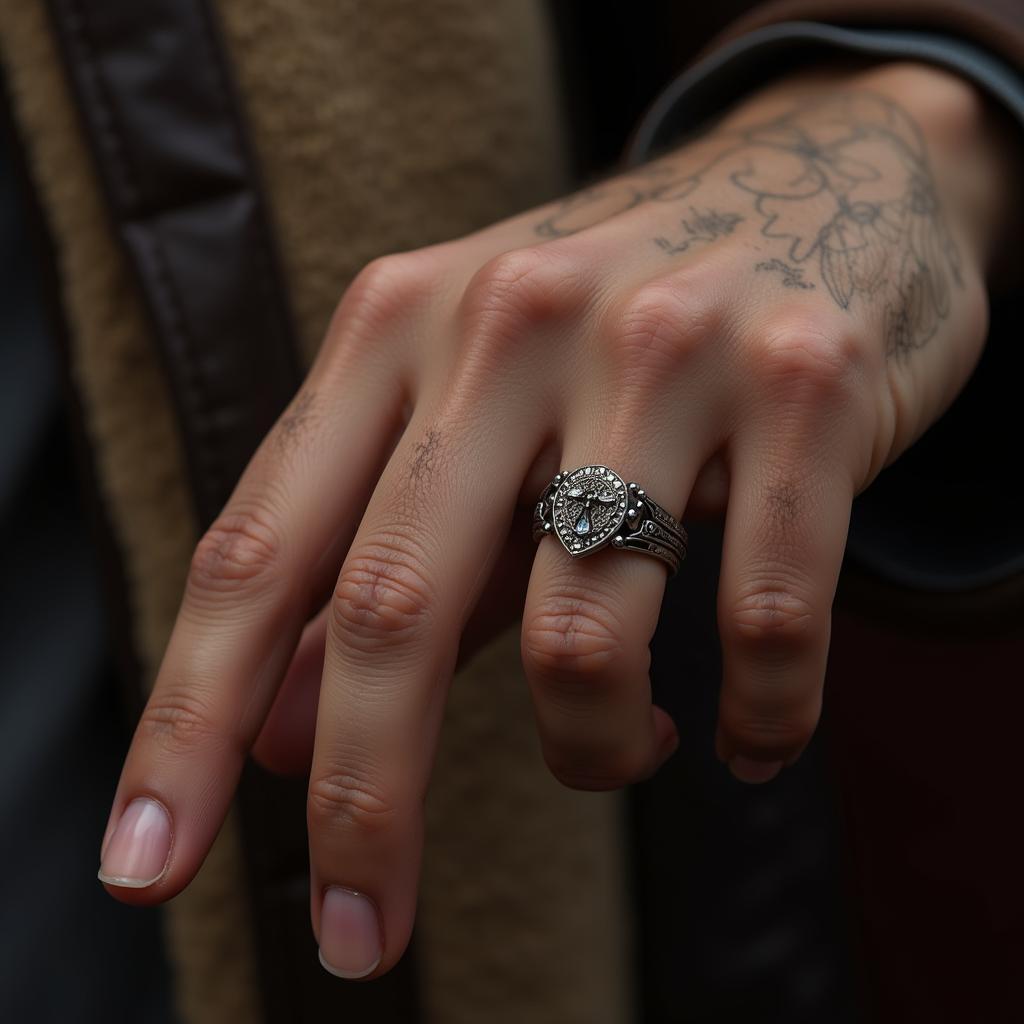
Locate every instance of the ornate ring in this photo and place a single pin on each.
(592, 507)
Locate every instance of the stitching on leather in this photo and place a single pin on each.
(164, 291)
(260, 246)
(261, 242)
(209, 443)
(106, 127)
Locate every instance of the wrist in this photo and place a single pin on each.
(973, 149)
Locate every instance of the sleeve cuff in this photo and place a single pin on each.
(709, 87)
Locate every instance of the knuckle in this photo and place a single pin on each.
(349, 801)
(386, 289)
(382, 597)
(572, 639)
(515, 290)
(808, 360)
(240, 550)
(180, 724)
(387, 285)
(661, 328)
(770, 620)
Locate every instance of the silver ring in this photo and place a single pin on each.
(593, 507)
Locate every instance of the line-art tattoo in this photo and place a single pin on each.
(841, 185)
(792, 277)
(700, 227)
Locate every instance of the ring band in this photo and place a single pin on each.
(593, 507)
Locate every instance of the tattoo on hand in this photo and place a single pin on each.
(792, 277)
(700, 227)
(842, 185)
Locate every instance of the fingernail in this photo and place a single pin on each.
(136, 854)
(747, 770)
(350, 942)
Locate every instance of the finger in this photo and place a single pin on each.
(501, 603)
(588, 622)
(285, 743)
(587, 626)
(427, 543)
(710, 495)
(254, 579)
(785, 533)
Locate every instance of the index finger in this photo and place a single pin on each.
(252, 582)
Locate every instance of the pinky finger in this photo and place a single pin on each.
(784, 540)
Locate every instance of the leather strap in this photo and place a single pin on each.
(152, 88)
(159, 111)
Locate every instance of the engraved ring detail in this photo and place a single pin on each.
(593, 507)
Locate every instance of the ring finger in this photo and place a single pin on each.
(588, 621)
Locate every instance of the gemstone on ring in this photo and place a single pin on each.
(592, 507)
(589, 507)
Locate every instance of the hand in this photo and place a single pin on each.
(758, 322)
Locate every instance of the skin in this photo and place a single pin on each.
(754, 325)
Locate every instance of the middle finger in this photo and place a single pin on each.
(426, 546)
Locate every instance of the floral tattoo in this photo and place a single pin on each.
(840, 185)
